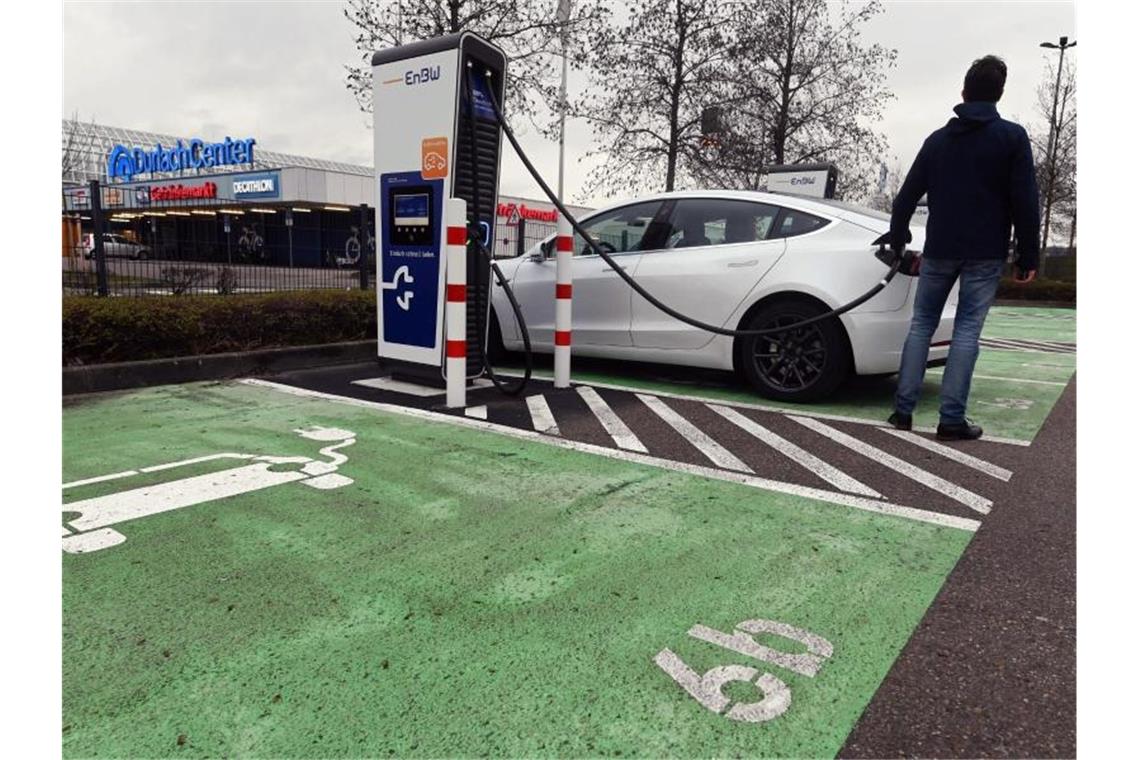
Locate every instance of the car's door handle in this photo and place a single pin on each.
(739, 264)
(610, 269)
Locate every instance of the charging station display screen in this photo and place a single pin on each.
(411, 215)
(411, 210)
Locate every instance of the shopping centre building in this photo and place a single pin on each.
(221, 197)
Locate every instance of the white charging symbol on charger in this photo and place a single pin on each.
(404, 300)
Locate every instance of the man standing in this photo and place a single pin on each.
(977, 174)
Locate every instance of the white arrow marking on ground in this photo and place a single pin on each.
(613, 425)
(949, 452)
(716, 453)
(930, 480)
(541, 416)
(817, 466)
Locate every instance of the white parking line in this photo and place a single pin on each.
(950, 452)
(818, 494)
(939, 371)
(806, 459)
(478, 412)
(622, 435)
(1025, 345)
(100, 479)
(541, 416)
(930, 480)
(716, 453)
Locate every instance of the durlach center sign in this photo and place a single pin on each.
(125, 163)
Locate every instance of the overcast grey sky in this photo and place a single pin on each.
(275, 71)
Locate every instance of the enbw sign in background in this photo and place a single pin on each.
(198, 154)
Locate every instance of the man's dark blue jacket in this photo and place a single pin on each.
(977, 173)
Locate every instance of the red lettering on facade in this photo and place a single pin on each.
(183, 192)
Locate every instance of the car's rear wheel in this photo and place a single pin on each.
(142, 255)
(803, 364)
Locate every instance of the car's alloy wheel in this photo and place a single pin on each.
(800, 364)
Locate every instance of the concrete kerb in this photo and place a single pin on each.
(96, 378)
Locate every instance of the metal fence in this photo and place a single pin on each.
(121, 242)
(126, 242)
(516, 239)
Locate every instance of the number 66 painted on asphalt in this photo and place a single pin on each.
(706, 688)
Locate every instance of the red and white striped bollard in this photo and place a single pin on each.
(563, 290)
(455, 315)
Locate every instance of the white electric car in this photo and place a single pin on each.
(737, 259)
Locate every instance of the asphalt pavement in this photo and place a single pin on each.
(991, 670)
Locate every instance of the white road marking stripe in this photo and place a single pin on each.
(806, 459)
(939, 371)
(1017, 345)
(541, 416)
(617, 429)
(832, 497)
(478, 412)
(716, 453)
(1039, 344)
(950, 452)
(930, 480)
(100, 479)
(195, 460)
(538, 375)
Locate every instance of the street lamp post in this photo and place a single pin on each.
(563, 15)
(1062, 44)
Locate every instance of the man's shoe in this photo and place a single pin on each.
(900, 421)
(959, 431)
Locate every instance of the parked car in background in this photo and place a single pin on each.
(737, 259)
(115, 246)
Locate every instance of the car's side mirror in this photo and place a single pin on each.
(545, 251)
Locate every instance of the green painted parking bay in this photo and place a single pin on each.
(450, 591)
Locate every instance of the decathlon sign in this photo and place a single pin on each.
(125, 163)
(264, 185)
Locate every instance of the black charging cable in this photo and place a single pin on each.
(894, 265)
(475, 234)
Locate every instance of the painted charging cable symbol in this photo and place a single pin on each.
(404, 300)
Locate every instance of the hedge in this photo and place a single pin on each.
(100, 330)
(1038, 290)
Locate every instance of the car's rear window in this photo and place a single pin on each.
(855, 207)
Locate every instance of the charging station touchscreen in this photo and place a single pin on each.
(410, 258)
(411, 217)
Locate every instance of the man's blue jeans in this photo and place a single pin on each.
(979, 283)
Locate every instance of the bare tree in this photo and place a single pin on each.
(78, 146)
(1057, 161)
(883, 198)
(805, 88)
(651, 78)
(528, 31)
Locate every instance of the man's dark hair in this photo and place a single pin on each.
(985, 80)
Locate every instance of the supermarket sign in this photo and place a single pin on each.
(513, 211)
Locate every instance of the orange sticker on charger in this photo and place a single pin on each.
(433, 156)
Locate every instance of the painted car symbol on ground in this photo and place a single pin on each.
(90, 531)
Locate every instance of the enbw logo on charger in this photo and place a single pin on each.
(423, 76)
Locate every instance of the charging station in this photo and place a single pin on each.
(431, 144)
(809, 180)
